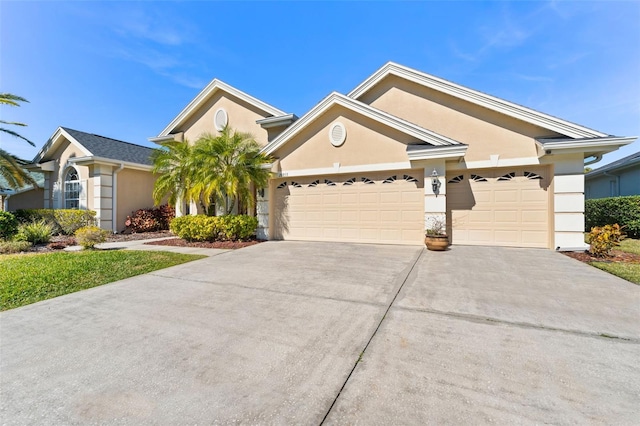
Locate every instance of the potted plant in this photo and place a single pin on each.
(436, 237)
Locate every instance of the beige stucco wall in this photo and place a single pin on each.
(486, 132)
(368, 142)
(134, 191)
(241, 115)
(33, 199)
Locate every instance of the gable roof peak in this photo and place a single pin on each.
(215, 85)
(490, 102)
(335, 98)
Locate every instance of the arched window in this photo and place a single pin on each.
(71, 189)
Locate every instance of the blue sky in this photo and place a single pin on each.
(126, 69)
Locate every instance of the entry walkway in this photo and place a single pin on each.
(140, 245)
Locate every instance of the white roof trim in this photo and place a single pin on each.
(54, 141)
(361, 108)
(84, 161)
(430, 153)
(585, 145)
(491, 102)
(207, 92)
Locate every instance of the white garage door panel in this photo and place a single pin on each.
(508, 207)
(352, 210)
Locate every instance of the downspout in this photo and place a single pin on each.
(617, 182)
(6, 202)
(114, 199)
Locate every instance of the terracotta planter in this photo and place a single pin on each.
(436, 242)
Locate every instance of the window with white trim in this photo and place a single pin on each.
(72, 189)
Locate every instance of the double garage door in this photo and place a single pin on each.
(366, 208)
(506, 207)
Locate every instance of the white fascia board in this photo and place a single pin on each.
(588, 146)
(430, 153)
(55, 140)
(86, 161)
(277, 121)
(207, 92)
(490, 102)
(160, 139)
(365, 110)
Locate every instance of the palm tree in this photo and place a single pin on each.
(228, 168)
(10, 169)
(174, 163)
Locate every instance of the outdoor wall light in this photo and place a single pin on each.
(435, 182)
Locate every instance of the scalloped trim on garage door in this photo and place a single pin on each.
(363, 207)
(503, 207)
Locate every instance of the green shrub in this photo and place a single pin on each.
(8, 225)
(603, 239)
(37, 232)
(624, 211)
(8, 247)
(72, 220)
(63, 221)
(89, 236)
(214, 228)
(238, 227)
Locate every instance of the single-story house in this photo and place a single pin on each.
(86, 171)
(25, 197)
(619, 178)
(403, 148)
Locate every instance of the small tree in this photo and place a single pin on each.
(228, 168)
(10, 168)
(174, 165)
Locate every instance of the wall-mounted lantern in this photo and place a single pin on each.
(435, 182)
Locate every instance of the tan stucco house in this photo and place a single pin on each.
(379, 164)
(88, 171)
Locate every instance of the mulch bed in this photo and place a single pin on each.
(616, 256)
(228, 245)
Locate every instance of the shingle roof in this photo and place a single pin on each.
(623, 162)
(113, 149)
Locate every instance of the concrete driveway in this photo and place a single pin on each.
(311, 333)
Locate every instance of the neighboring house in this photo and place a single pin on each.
(361, 167)
(25, 197)
(621, 177)
(87, 171)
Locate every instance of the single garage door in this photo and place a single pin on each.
(499, 207)
(364, 208)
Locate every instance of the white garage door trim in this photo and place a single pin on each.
(500, 207)
(363, 207)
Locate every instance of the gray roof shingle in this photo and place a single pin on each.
(113, 149)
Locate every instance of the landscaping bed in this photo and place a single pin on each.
(228, 245)
(623, 262)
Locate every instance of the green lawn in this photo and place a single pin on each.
(627, 271)
(29, 278)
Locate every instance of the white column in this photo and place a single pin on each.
(435, 203)
(568, 202)
(103, 195)
(262, 212)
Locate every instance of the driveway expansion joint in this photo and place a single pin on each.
(403, 280)
(497, 321)
(269, 290)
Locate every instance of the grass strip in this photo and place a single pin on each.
(627, 271)
(30, 278)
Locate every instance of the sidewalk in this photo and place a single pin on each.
(140, 245)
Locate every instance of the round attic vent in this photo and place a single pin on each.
(337, 134)
(220, 119)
